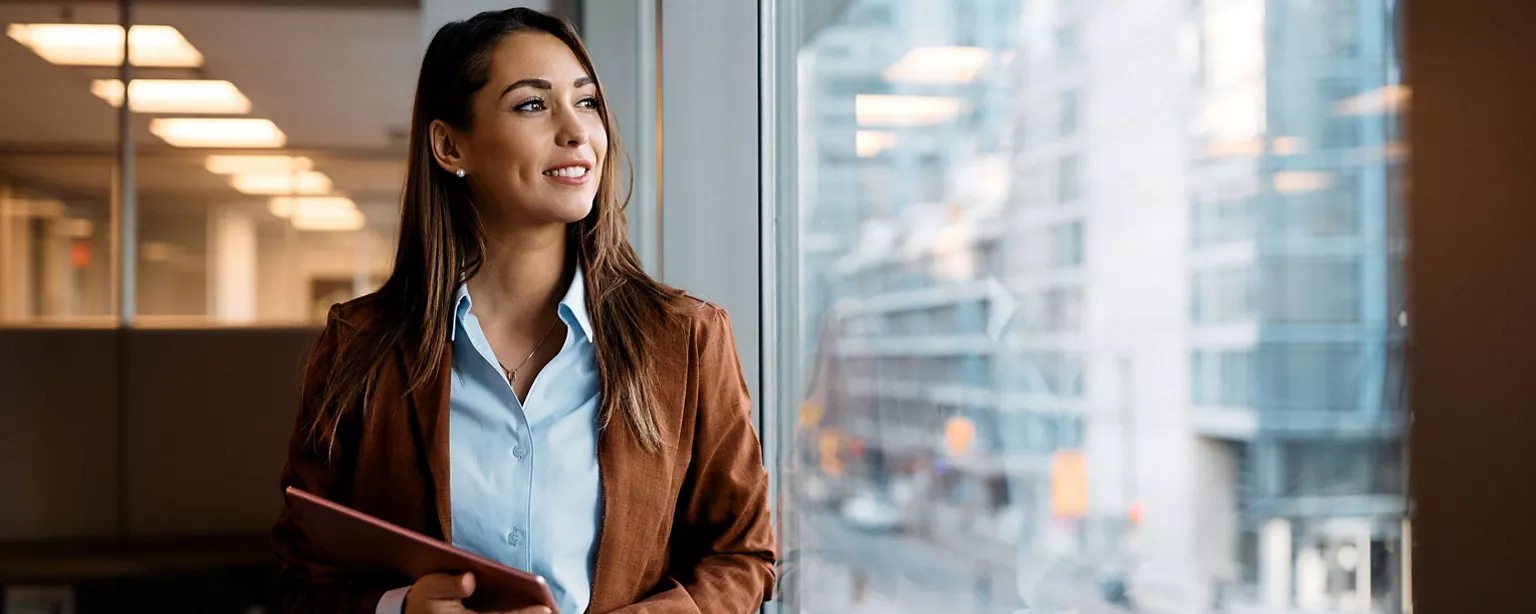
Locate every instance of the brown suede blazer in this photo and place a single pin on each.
(685, 529)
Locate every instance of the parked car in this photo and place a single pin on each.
(869, 512)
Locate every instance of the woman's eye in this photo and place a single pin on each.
(589, 102)
(530, 105)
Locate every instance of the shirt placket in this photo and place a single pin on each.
(516, 485)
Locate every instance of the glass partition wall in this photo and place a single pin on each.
(264, 147)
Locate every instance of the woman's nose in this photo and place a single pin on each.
(572, 133)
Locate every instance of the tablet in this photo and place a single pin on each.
(358, 542)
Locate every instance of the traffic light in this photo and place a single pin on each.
(959, 434)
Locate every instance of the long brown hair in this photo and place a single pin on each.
(442, 243)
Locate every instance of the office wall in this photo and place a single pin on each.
(1473, 242)
(58, 434)
(198, 443)
(709, 170)
(206, 427)
(435, 13)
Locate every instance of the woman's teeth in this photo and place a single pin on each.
(569, 171)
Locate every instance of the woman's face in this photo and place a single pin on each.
(534, 151)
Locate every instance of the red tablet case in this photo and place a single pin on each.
(359, 542)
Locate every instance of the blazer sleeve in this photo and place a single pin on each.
(306, 582)
(723, 535)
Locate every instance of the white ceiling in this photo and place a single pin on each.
(338, 81)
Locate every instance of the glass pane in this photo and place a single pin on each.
(272, 219)
(1095, 307)
(58, 154)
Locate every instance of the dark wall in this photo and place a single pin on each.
(58, 434)
(207, 429)
(1473, 304)
(203, 433)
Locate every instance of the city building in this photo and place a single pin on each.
(1141, 315)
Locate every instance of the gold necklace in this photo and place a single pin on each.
(512, 373)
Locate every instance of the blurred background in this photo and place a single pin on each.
(1104, 305)
(1047, 305)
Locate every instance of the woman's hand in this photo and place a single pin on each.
(440, 593)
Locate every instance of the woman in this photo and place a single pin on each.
(519, 386)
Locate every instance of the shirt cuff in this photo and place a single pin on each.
(393, 602)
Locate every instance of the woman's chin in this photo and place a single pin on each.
(567, 213)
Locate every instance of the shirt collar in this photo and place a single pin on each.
(573, 306)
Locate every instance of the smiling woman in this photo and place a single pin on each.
(519, 386)
(517, 125)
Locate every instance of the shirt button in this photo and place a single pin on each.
(520, 452)
(515, 537)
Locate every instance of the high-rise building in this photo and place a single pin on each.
(1125, 312)
(1295, 348)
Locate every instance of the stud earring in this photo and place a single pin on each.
(460, 173)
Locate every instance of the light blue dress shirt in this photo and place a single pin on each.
(524, 480)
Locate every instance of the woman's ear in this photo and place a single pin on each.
(446, 148)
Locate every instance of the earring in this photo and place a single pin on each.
(460, 173)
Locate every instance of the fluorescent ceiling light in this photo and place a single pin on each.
(236, 164)
(350, 220)
(81, 44)
(938, 65)
(301, 182)
(203, 132)
(869, 143)
(1388, 99)
(174, 96)
(1297, 182)
(879, 109)
(286, 206)
(22, 207)
(319, 212)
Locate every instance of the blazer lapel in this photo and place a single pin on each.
(636, 484)
(430, 404)
(609, 552)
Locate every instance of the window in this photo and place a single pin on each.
(989, 258)
(1330, 211)
(1068, 178)
(1051, 248)
(1222, 295)
(1188, 292)
(1222, 377)
(1049, 372)
(1342, 468)
(1066, 125)
(1225, 217)
(1312, 289)
(57, 265)
(1051, 310)
(1068, 240)
(1320, 30)
(1066, 43)
(1311, 377)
